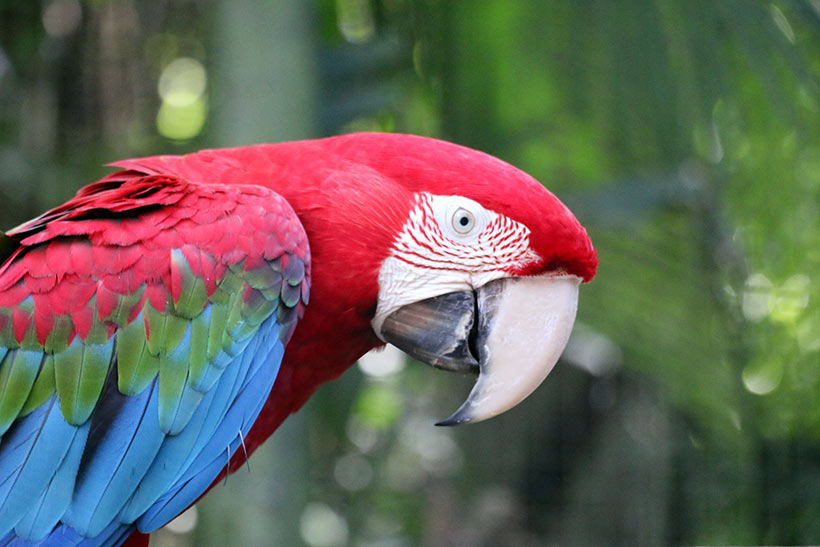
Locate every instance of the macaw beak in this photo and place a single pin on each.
(510, 331)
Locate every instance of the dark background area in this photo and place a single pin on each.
(683, 134)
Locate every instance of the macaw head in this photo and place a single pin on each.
(459, 259)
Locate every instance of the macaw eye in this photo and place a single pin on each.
(463, 221)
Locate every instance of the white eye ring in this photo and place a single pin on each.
(463, 221)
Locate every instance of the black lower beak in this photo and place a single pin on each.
(510, 331)
(440, 331)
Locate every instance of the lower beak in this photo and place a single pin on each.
(510, 331)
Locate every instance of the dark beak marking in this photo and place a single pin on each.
(473, 337)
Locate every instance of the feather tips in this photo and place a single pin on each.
(17, 375)
(79, 373)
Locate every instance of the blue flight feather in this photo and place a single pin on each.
(179, 451)
(168, 464)
(225, 440)
(228, 388)
(113, 434)
(24, 478)
(46, 513)
(142, 450)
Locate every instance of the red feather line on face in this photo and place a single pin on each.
(503, 245)
(428, 165)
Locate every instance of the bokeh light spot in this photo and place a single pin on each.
(62, 17)
(353, 472)
(762, 380)
(182, 82)
(379, 406)
(382, 363)
(355, 20)
(791, 298)
(757, 297)
(321, 526)
(183, 110)
(181, 122)
(184, 523)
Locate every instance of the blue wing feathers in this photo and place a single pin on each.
(187, 400)
(51, 506)
(25, 478)
(227, 438)
(100, 466)
(223, 426)
(186, 446)
(63, 536)
(118, 464)
(168, 465)
(123, 470)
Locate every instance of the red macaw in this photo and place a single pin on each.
(143, 323)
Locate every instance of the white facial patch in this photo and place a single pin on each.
(449, 244)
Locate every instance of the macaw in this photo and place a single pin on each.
(160, 325)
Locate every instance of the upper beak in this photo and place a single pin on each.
(511, 331)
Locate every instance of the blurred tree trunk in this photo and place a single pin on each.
(267, 78)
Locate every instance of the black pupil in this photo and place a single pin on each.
(464, 221)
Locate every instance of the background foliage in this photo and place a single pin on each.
(684, 135)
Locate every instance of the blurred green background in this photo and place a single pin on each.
(684, 134)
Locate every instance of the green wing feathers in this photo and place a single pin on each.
(120, 284)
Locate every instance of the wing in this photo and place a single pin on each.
(141, 329)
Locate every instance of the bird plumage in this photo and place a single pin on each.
(143, 323)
